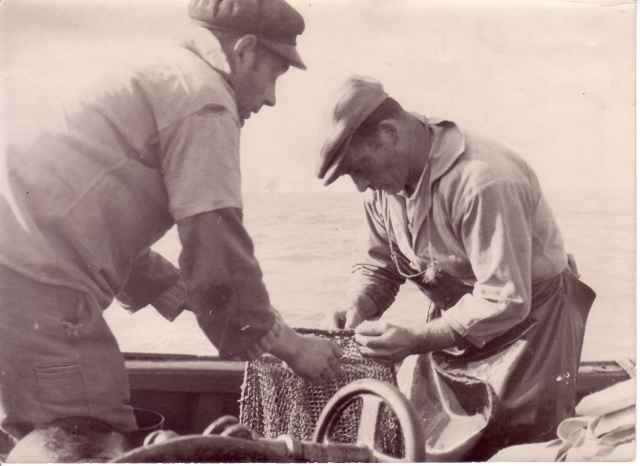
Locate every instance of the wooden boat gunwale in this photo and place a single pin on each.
(204, 372)
(192, 391)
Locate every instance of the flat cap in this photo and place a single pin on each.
(357, 98)
(274, 22)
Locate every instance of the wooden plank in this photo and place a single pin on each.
(210, 375)
(200, 376)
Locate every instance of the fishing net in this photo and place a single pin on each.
(275, 401)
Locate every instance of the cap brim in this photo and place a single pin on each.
(286, 51)
(335, 170)
(347, 116)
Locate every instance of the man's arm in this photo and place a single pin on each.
(375, 281)
(224, 280)
(201, 168)
(496, 230)
(228, 296)
(199, 159)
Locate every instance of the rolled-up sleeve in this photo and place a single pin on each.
(495, 227)
(224, 286)
(375, 276)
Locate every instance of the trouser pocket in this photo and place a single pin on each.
(61, 387)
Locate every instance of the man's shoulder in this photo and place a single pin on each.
(178, 82)
(478, 144)
(485, 162)
(489, 158)
(186, 73)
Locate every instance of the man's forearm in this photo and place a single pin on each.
(372, 290)
(224, 281)
(172, 302)
(152, 279)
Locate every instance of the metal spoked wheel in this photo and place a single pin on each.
(374, 395)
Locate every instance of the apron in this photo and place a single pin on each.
(516, 389)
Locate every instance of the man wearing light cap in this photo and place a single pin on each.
(92, 188)
(463, 218)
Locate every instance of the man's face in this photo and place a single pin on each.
(255, 81)
(375, 164)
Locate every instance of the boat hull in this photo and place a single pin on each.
(191, 392)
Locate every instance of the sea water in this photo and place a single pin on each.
(307, 242)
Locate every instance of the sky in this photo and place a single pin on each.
(552, 79)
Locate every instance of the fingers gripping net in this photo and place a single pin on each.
(275, 401)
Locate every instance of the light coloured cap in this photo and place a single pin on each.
(357, 98)
(274, 22)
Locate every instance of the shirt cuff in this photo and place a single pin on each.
(171, 302)
(479, 321)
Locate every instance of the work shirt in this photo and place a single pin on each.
(90, 184)
(477, 216)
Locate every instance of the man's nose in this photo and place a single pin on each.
(360, 183)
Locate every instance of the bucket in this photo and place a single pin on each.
(148, 421)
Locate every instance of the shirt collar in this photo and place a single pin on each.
(205, 45)
(447, 145)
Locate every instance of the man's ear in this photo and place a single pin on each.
(388, 132)
(245, 48)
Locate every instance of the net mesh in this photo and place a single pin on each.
(275, 401)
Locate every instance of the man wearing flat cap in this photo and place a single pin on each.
(103, 178)
(463, 218)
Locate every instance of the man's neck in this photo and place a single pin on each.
(419, 154)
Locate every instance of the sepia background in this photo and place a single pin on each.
(553, 79)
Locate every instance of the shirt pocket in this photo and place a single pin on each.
(61, 383)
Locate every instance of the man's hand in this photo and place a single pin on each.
(385, 341)
(308, 356)
(316, 359)
(344, 318)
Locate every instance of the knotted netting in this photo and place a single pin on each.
(276, 401)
